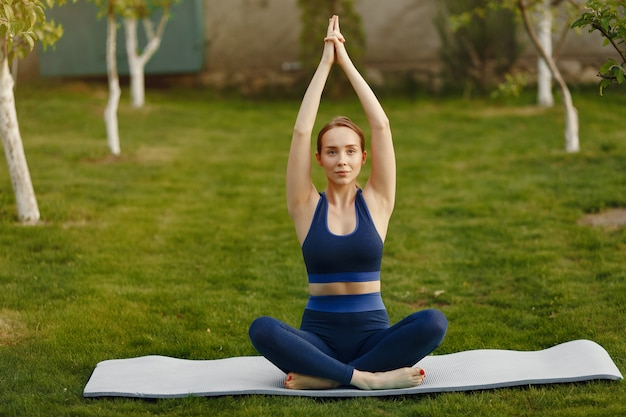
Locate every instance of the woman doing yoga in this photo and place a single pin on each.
(345, 337)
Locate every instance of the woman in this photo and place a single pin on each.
(345, 337)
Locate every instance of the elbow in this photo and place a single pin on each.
(300, 131)
(380, 124)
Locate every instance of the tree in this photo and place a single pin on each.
(609, 18)
(110, 111)
(524, 7)
(22, 23)
(130, 11)
(544, 34)
(571, 114)
(478, 44)
(109, 8)
(133, 12)
(547, 12)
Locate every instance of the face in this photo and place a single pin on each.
(341, 155)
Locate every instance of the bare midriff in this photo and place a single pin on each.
(344, 288)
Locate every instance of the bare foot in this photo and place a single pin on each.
(398, 378)
(298, 381)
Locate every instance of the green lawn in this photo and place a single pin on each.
(176, 246)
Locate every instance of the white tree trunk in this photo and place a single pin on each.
(110, 112)
(544, 34)
(137, 62)
(14, 69)
(571, 121)
(571, 114)
(27, 209)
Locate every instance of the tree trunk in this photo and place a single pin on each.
(27, 209)
(544, 76)
(110, 112)
(14, 69)
(137, 62)
(571, 114)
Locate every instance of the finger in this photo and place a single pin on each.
(333, 39)
(338, 31)
(331, 25)
(337, 36)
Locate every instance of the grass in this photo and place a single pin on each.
(176, 246)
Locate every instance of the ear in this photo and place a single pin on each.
(318, 157)
(364, 158)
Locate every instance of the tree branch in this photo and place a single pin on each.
(535, 40)
(610, 38)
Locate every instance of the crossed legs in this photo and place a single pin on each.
(383, 361)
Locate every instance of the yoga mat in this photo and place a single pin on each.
(166, 377)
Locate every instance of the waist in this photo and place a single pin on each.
(344, 277)
(344, 288)
(346, 303)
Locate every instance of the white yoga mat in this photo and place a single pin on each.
(165, 377)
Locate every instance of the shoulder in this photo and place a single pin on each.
(303, 213)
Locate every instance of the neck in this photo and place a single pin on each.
(343, 195)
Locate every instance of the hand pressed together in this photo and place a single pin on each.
(334, 42)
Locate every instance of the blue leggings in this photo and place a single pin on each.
(331, 345)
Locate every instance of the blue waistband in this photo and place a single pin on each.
(350, 303)
(344, 277)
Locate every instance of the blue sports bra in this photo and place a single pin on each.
(354, 257)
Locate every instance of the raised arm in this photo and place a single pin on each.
(380, 189)
(302, 196)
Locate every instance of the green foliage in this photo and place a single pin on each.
(188, 231)
(314, 17)
(133, 8)
(23, 22)
(478, 43)
(609, 18)
(512, 86)
(146, 8)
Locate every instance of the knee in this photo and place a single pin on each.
(260, 330)
(438, 324)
